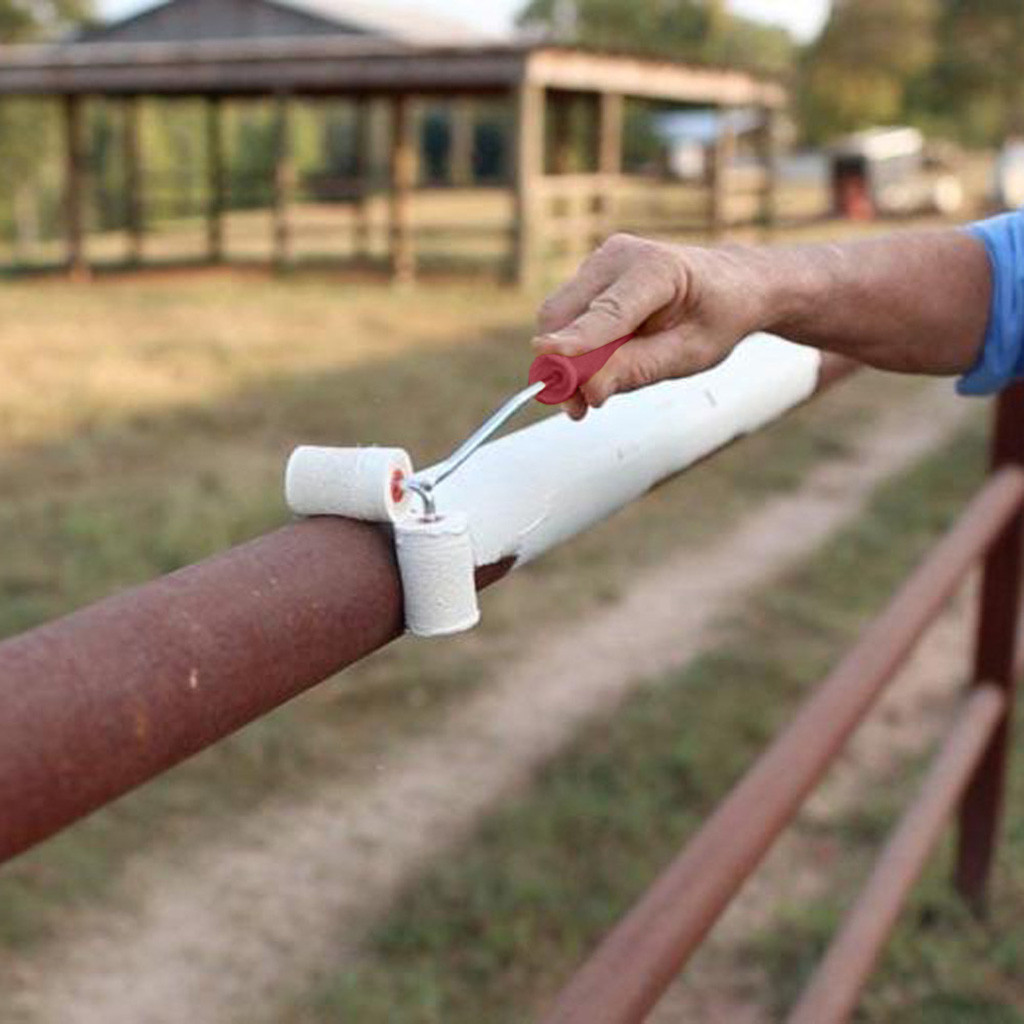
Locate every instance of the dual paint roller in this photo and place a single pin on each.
(434, 549)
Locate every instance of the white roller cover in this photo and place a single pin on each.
(435, 559)
(353, 482)
(534, 488)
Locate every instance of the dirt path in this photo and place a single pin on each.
(219, 933)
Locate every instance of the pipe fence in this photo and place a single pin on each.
(624, 978)
(104, 699)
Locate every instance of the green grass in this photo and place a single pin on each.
(154, 433)
(491, 931)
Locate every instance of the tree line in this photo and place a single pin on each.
(949, 66)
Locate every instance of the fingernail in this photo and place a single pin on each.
(566, 341)
(564, 336)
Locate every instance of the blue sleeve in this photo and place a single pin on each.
(1002, 356)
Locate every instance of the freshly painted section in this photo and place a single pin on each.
(435, 559)
(359, 483)
(528, 491)
(534, 488)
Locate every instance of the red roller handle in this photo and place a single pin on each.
(563, 375)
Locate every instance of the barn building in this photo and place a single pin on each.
(393, 65)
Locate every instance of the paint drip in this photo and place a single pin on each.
(435, 559)
(359, 483)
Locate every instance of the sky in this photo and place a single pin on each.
(803, 17)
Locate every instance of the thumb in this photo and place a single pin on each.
(620, 309)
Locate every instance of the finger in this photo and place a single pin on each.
(652, 358)
(566, 303)
(639, 292)
(576, 406)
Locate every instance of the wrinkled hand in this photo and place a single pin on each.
(689, 306)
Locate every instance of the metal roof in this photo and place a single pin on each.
(347, 64)
(196, 20)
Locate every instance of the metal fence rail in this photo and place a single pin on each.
(832, 992)
(625, 977)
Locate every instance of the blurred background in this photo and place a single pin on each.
(228, 227)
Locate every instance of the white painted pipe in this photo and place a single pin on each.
(532, 489)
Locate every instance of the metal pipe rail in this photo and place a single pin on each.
(832, 992)
(104, 699)
(629, 971)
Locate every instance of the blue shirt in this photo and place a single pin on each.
(1002, 356)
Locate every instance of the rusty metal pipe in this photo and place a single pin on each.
(95, 703)
(629, 971)
(997, 646)
(832, 993)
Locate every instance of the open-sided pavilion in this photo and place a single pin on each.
(538, 81)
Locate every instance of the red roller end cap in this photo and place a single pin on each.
(564, 375)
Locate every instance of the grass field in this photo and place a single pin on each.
(488, 935)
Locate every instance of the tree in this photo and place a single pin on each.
(977, 74)
(697, 30)
(24, 21)
(860, 70)
(23, 136)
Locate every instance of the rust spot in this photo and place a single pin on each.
(488, 574)
(397, 486)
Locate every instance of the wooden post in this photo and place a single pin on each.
(284, 181)
(215, 177)
(403, 175)
(610, 122)
(460, 152)
(994, 662)
(135, 214)
(74, 187)
(611, 117)
(561, 117)
(768, 140)
(365, 171)
(528, 170)
(721, 154)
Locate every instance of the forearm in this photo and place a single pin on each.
(939, 302)
(916, 302)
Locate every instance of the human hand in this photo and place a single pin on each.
(688, 305)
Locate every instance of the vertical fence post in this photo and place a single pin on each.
(217, 181)
(134, 203)
(366, 176)
(721, 155)
(528, 170)
(610, 127)
(462, 114)
(768, 146)
(74, 186)
(284, 182)
(404, 141)
(995, 655)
